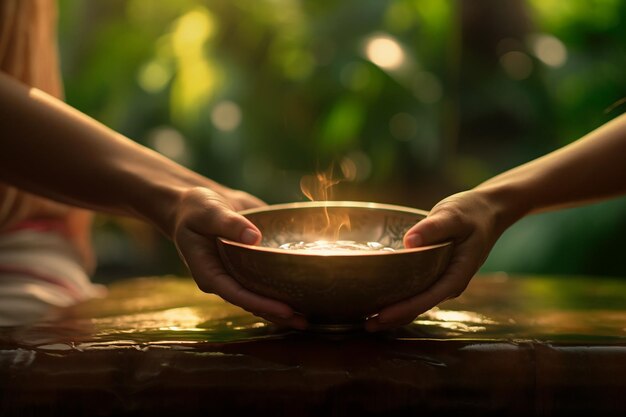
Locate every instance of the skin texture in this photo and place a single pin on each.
(65, 156)
(585, 171)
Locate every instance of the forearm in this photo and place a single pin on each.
(590, 169)
(54, 150)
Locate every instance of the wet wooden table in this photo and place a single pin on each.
(509, 346)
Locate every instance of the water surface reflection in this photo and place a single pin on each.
(170, 311)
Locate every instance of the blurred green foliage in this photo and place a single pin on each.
(422, 97)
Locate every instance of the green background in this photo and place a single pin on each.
(257, 94)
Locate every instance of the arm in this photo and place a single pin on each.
(51, 149)
(590, 169)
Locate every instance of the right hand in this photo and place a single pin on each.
(201, 216)
(473, 221)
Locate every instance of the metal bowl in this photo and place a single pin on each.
(335, 291)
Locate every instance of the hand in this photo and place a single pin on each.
(200, 217)
(240, 200)
(471, 220)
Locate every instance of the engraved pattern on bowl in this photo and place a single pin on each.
(335, 290)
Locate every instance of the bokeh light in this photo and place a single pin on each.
(549, 49)
(385, 51)
(226, 116)
(196, 77)
(517, 65)
(418, 95)
(169, 142)
(356, 166)
(154, 76)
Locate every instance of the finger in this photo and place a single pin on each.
(216, 219)
(438, 227)
(196, 243)
(203, 261)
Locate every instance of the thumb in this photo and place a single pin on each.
(234, 226)
(250, 234)
(438, 227)
(208, 214)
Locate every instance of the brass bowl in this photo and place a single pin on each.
(336, 292)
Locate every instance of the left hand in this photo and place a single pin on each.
(199, 217)
(241, 200)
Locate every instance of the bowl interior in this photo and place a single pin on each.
(332, 221)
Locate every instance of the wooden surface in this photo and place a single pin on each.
(509, 346)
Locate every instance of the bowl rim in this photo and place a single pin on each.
(331, 203)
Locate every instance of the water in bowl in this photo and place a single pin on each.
(338, 247)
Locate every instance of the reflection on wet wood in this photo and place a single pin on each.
(508, 346)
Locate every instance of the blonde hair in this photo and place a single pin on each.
(28, 53)
(28, 46)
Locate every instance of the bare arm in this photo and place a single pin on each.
(51, 149)
(590, 169)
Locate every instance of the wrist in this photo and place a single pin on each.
(158, 205)
(508, 202)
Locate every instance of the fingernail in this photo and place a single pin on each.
(250, 236)
(413, 241)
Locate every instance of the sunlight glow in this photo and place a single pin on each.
(197, 77)
(192, 30)
(462, 321)
(385, 51)
(183, 318)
